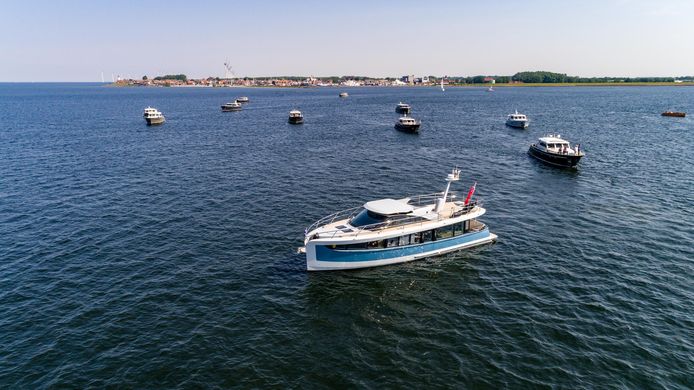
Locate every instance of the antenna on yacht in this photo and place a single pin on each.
(453, 176)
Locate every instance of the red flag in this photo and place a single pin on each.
(469, 193)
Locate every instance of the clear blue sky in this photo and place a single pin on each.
(75, 40)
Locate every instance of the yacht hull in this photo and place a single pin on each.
(155, 121)
(412, 129)
(320, 257)
(296, 121)
(559, 160)
(517, 124)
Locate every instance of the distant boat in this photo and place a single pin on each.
(296, 117)
(408, 125)
(153, 116)
(517, 120)
(554, 150)
(674, 113)
(403, 108)
(343, 94)
(243, 99)
(490, 89)
(442, 88)
(232, 106)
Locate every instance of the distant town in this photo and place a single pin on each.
(521, 78)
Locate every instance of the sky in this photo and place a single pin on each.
(76, 40)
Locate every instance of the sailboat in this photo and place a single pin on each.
(442, 88)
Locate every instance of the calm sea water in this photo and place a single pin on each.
(149, 257)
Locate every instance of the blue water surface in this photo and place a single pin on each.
(165, 257)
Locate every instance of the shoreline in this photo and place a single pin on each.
(487, 85)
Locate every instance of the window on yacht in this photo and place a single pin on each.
(444, 232)
(392, 242)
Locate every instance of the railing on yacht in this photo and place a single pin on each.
(419, 200)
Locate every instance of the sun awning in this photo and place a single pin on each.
(388, 206)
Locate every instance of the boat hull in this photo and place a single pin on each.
(675, 114)
(412, 129)
(230, 109)
(559, 160)
(155, 121)
(296, 121)
(321, 258)
(517, 124)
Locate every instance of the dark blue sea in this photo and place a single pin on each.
(165, 257)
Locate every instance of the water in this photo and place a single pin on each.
(165, 256)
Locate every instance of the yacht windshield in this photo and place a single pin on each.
(366, 217)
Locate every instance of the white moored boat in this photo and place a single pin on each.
(153, 116)
(232, 106)
(390, 231)
(517, 120)
(403, 108)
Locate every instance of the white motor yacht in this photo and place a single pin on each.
(153, 116)
(232, 106)
(517, 120)
(403, 108)
(390, 231)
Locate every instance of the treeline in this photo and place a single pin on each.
(550, 77)
(181, 77)
(541, 77)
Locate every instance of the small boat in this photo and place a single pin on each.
(517, 120)
(242, 99)
(675, 114)
(408, 125)
(153, 116)
(554, 150)
(490, 89)
(296, 117)
(442, 88)
(391, 231)
(343, 94)
(232, 106)
(403, 108)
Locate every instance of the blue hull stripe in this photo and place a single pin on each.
(323, 253)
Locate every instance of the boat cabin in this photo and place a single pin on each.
(407, 121)
(517, 117)
(555, 144)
